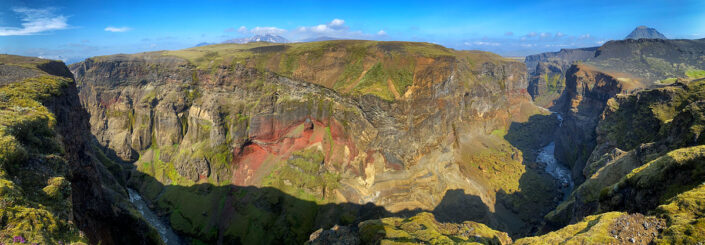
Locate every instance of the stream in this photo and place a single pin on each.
(165, 232)
(561, 173)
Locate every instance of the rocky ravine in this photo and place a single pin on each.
(267, 143)
(402, 126)
(55, 187)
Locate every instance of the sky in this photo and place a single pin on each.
(74, 30)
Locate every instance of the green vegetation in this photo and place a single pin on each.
(695, 74)
(591, 230)
(34, 195)
(685, 218)
(389, 77)
(304, 176)
(423, 228)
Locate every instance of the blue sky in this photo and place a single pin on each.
(73, 30)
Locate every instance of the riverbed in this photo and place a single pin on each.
(165, 232)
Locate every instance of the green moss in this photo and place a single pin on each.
(375, 82)
(423, 228)
(695, 73)
(34, 193)
(661, 178)
(590, 230)
(304, 176)
(685, 218)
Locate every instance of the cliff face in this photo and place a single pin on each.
(630, 147)
(54, 187)
(547, 73)
(398, 125)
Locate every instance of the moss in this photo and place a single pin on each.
(658, 180)
(34, 194)
(423, 228)
(695, 73)
(304, 176)
(590, 230)
(685, 217)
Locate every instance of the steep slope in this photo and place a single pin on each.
(54, 188)
(645, 32)
(547, 72)
(618, 67)
(328, 126)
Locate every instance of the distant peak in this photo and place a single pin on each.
(270, 38)
(645, 32)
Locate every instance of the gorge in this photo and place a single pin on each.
(360, 142)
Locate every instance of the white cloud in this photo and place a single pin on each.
(336, 23)
(242, 29)
(545, 34)
(335, 28)
(600, 42)
(531, 34)
(35, 21)
(267, 30)
(559, 34)
(481, 43)
(585, 36)
(382, 33)
(509, 33)
(117, 29)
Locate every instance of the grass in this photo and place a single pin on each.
(695, 73)
(424, 229)
(590, 230)
(685, 218)
(35, 202)
(394, 61)
(662, 178)
(304, 177)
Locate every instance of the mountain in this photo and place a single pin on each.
(362, 142)
(313, 134)
(270, 38)
(645, 32)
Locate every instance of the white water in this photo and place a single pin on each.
(165, 232)
(547, 156)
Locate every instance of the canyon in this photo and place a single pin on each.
(358, 141)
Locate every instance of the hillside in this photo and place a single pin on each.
(55, 188)
(351, 130)
(357, 141)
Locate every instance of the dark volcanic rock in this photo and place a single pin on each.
(645, 32)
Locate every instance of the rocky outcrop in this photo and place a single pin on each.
(55, 187)
(395, 124)
(547, 73)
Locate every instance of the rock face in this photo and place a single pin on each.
(618, 67)
(645, 32)
(55, 186)
(631, 134)
(403, 126)
(547, 73)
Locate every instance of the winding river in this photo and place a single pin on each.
(547, 156)
(165, 232)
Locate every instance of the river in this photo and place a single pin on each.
(559, 171)
(165, 232)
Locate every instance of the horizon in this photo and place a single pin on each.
(75, 30)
